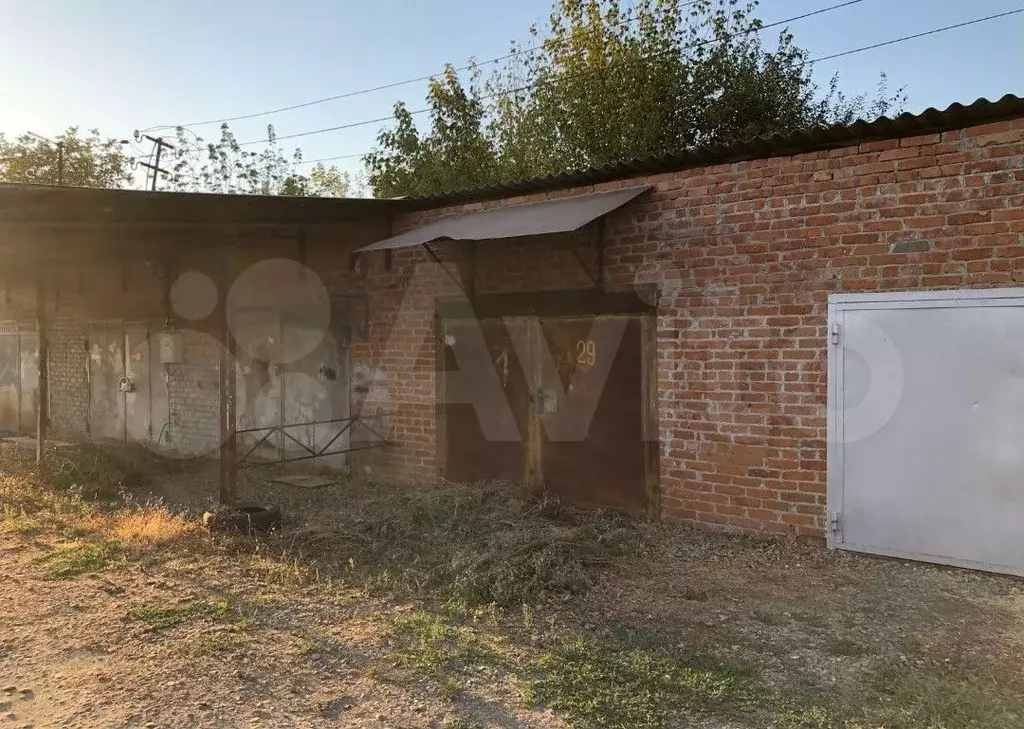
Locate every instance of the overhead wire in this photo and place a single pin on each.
(819, 59)
(707, 41)
(381, 87)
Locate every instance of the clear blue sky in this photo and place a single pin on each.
(121, 65)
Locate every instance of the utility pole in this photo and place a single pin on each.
(160, 144)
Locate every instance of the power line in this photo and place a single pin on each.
(918, 35)
(813, 60)
(364, 122)
(417, 79)
(324, 159)
(758, 29)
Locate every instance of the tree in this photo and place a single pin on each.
(225, 167)
(88, 160)
(602, 86)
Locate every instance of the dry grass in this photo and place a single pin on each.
(151, 525)
(481, 544)
(608, 621)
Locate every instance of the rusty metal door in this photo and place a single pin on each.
(29, 371)
(486, 404)
(138, 414)
(10, 382)
(590, 403)
(574, 388)
(105, 369)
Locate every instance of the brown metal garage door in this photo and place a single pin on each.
(573, 390)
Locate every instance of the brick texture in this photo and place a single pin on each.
(743, 256)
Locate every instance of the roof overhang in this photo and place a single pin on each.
(45, 206)
(562, 215)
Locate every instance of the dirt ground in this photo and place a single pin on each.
(127, 615)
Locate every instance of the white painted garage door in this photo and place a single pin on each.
(926, 426)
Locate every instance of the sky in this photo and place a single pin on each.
(125, 65)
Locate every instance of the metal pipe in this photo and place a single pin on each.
(228, 451)
(42, 354)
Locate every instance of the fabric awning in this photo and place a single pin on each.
(512, 221)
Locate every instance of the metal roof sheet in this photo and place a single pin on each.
(512, 221)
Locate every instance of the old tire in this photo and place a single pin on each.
(247, 519)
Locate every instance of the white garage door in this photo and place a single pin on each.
(926, 426)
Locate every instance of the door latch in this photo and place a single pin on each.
(125, 384)
(834, 333)
(547, 401)
(833, 522)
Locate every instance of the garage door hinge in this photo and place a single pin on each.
(834, 333)
(833, 522)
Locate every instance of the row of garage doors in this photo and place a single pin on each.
(925, 412)
(126, 388)
(105, 355)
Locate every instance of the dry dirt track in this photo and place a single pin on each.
(203, 633)
(70, 655)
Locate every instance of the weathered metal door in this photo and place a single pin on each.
(259, 379)
(315, 388)
(591, 411)
(29, 367)
(138, 411)
(486, 401)
(926, 433)
(105, 369)
(290, 376)
(10, 382)
(571, 389)
(19, 378)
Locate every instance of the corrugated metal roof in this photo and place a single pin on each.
(513, 221)
(955, 116)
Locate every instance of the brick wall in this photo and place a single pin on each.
(745, 256)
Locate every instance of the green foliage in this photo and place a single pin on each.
(162, 615)
(225, 166)
(79, 560)
(604, 685)
(89, 160)
(434, 646)
(605, 84)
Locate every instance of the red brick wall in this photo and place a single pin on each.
(745, 256)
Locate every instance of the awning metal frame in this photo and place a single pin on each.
(439, 262)
(598, 277)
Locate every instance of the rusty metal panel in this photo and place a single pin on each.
(106, 367)
(10, 382)
(591, 411)
(485, 402)
(29, 366)
(137, 400)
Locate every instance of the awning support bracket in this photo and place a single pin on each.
(439, 262)
(596, 278)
